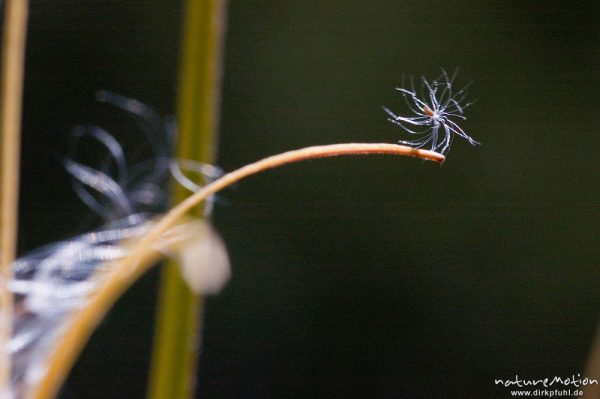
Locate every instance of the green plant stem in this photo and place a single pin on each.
(173, 369)
(13, 59)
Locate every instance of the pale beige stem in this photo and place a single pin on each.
(143, 254)
(592, 370)
(13, 54)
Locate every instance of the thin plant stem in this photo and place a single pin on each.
(174, 358)
(143, 253)
(13, 59)
(592, 369)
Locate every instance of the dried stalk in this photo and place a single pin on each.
(143, 254)
(592, 370)
(13, 54)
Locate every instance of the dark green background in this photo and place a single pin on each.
(365, 277)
